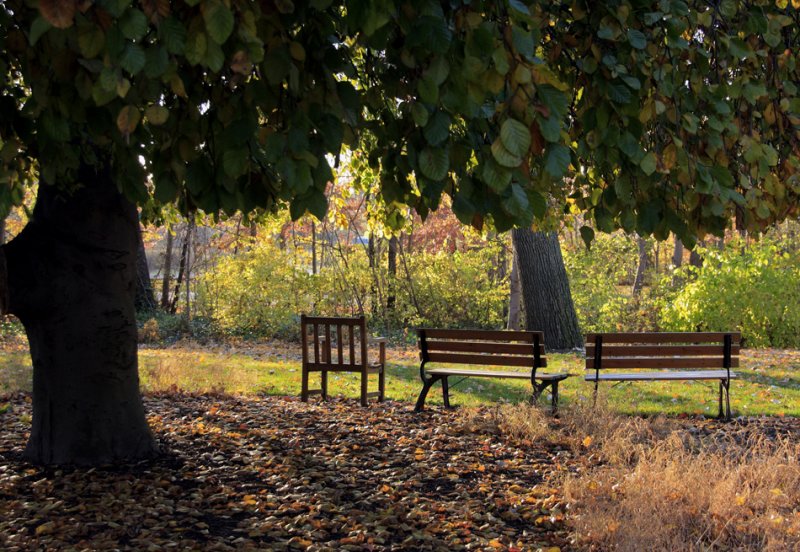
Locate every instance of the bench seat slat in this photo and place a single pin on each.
(663, 376)
(486, 360)
(493, 374)
(664, 337)
(508, 336)
(482, 347)
(660, 350)
(667, 362)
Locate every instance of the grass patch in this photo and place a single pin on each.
(769, 382)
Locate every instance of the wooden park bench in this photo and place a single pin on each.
(340, 345)
(666, 357)
(483, 347)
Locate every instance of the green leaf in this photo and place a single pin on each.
(587, 235)
(519, 6)
(91, 40)
(523, 42)
(156, 114)
(557, 160)
(428, 90)
(553, 99)
(166, 188)
(133, 58)
(517, 203)
(234, 162)
(438, 128)
(133, 24)
(438, 70)
(495, 176)
(156, 62)
(196, 46)
(434, 163)
(619, 93)
(637, 39)
(515, 137)
(219, 20)
(214, 58)
(173, 34)
(550, 128)
(505, 157)
(39, 26)
(649, 163)
(420, 114)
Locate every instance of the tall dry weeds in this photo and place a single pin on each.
(661, 484)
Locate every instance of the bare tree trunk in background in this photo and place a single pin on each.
(313, 248)
(695, 259)
(677, 253)
(641, 268)
(145, 300)
(167, 272)
(173, 307)
(392, 266)
(545, 289)
(515, 294)
(189, 255)
(373, 287)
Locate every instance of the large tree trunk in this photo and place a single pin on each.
(545, 289)
(71, 280)
(145, 299)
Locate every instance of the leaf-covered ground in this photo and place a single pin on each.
(274, 473)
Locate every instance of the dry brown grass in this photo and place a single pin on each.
(661, 484)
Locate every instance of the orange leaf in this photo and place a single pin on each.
(59, 13)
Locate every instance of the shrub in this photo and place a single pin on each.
(754, 288)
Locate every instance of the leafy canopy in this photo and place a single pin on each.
(661, 116)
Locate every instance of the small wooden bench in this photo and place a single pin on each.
(674, 357)
(483, 347)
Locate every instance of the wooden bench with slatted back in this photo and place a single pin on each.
(675, 356)
(522, 349)
(339, 345)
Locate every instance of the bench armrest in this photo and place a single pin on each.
(377, 340)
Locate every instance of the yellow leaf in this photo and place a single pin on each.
(587, 441)
(740, 500)
(669, 157)
(776, 492)
(297, 51)
(156, 114)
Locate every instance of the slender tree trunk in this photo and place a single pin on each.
(373, 286)
(392, 266)
(545, 289)
(181, 268)
(695, 259)
(189, 256)
(70, 277)
(313, 248)
(515, 294)
(145, 299)
(167, 272)
(641, 268)
(677, 253)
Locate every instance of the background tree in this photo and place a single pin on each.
(232, 106)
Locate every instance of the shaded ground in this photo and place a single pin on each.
(274, 473)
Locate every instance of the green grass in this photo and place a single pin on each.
(769, 381)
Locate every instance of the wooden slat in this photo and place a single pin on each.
(487, 335)
(663, 376)
(332, 320)
(660, 350)
(479, 373)
(339, 343)
(491, 360)
(320, 366)
(664, 337)
(316, 342)
(674, 362)
(351, 335)
(328, 344)
(483, 347)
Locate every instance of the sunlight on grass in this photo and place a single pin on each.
(769, 382)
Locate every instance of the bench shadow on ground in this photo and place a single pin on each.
(755, 378)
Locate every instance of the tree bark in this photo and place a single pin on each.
(545, 289)
(641, 267)
(695, 259)
(677, 253)
(71, 280)
(145, 300)
(392, 266)
(167, 272)
(173, 307)
(514, 295)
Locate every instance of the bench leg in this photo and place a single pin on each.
(446, 392)
(594, 398)
(724, 389)
(382, 383)
(426, 386)
(324, 384)
(721, 385)
(554, 403)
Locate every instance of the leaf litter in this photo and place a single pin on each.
(271, 473)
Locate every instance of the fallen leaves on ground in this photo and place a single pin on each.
(274, 473)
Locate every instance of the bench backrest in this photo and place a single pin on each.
(662, 350)
(486, 347)
(334, 344)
